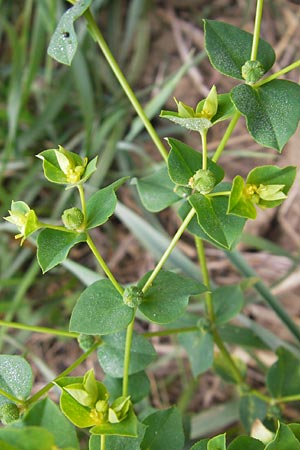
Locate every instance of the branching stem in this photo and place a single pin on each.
(256, 33)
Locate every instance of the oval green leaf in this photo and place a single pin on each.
(252, 408)
(100, 310)
(168, 296)
(199, 346)
(229, 47)
(284, 440)
(228, 301)
(16, 377)
(283, 377)
(53, 246)
(246, 443)
(28, 438)
(272, 111)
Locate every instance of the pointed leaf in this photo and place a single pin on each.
(272, 111)
(157, 190)
(111, 354)
(221, 228)
(184, 161)
(164, 431)
(168, 296)
(283, 377)
(63, 43)
(138, 386)
(46, 414)
(199, 346)
(54, 246)
(228, 301)
(284, 440)
(217, 443)
(201, 445)
(101, 205)
(16, 377)
(229, 47)
(100, 310)
(239, 204)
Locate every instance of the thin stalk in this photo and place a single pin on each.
(97, 35)
(256, 32)
(226, 136)
(169, 250)
(102, 443)
(36, 329)
(55, 227)
(278, 74)
(149, 334)
(210, 311)
(204, 149)
(239, 262)
(66, 372)
(206, 279)
(11, 397)
(219, 194)
(82, 200)
(103, 264)
(128, 343)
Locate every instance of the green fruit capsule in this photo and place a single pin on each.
(203, 181)
(252, 71)
(73, 219)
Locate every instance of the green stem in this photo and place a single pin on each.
(256, 33)
(66, 372)
(128, 342)
(219, 194)
(204, 149)
(55, 227)
(226, 136)
(287, 399)
(210, 311)
(103, 264)
(237, 259)
(278, 74)
(169, 250)
(82, 200)
(11, 397)
(36, 329)
(206, 279)
(102, 445)
(149, 334)
(93, 28)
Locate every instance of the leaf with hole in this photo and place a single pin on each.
(63, 43)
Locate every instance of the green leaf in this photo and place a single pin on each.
(16, 377)
(128, 427)
(239, 204)
(242, 336)
(272, 111)
(119, 442)
(53, 246)
(138, 386)
(78, 414)
(199, 124)
(295, 427)
(246, 443)
(184, 161)
(201, 445)
(164, 431)
(46, 414)
(199, 346)
(284, 440)
(223, 229)
(273, 175)
(283, 377)
(225, 110)
(100, 310)
(252, 408)
(217, 443)
(29, 438)
(229, 47)
(101, 205)
(168, 296)
(228, 302)
(157, 190)
(63, 43)
(111, 354)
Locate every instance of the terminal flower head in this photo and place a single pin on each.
(24, 219)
